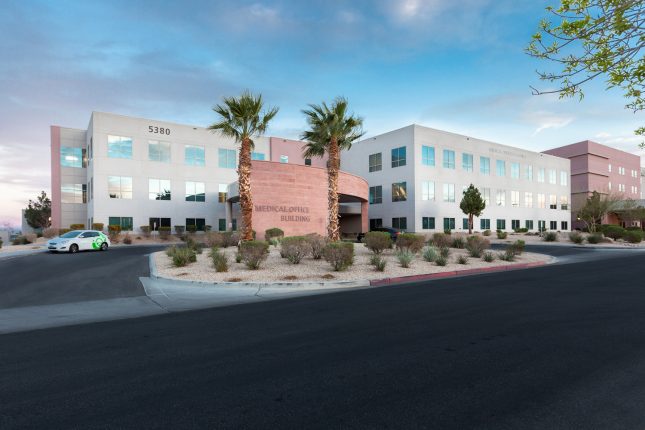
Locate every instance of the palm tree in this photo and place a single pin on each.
(331, 130)
(241, 118)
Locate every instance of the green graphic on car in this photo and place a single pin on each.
(98, 241)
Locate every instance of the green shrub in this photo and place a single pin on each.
(179, 230)
(214, 239)
(488, 257)
(501, 234)
(145, 229)
(339, 254)
(458, 242)
(405, 258)
(254, 252)
(219, 259)
(378, 241)
(550, 236)
(230, 238)
(447, 231)
(517, 247)
(273, 233)
(273, 241)
(576, 237)
(98, 226)
(295, 248)
(77, 226)
(462, 259)
(441, 240)
(181, 256)
(613, 231)
(441, 260)
(192, 229)
(410, 242)
(476, 245)
(508, 255)
(486, 233)
(194, 245)
(238, 257)
(62, 231)
(521, 230)
(208, 228)
(594, 238)
(430, 253)
(127, 239)
(114, 231)
(378, 262)
(316, 244)
(633, 236)
(444, 252)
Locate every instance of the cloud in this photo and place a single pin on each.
(546, 120)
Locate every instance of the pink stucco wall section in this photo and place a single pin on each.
(56, 176)
(293, 150)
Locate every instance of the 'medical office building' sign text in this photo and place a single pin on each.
(287, 213)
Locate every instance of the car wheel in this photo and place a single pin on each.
(104, 246)
(73, 248)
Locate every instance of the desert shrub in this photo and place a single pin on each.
(183, 256)
(164, 232)
(441, 260)
(50, 232)
(488, 257)
(231, 238)
(274, 232)
(316, 244)
(550, 236)
(440, 240)
(127, 239)
(486, 233)
(613, 231)
(238, 257)
(77, 226)
(253, 253)
(447, 231)
(180, 230)
(192, 229)
(576, 237)
(507, 255)
(62, 231)
(294, 248)
(458, 242)
(430, 253)
(378, 262)
(594, 238)
(219, 259)
(207, 228)
(517, 247)
(405, 258)
(444, 252)
(410, 242)
(21, 240)
(114, 231)
(521, 230)
(194, 245)
(476, 245)
(339, 254)
(501, 234)
(214, 239)
(1, 242)
(462, 259)
(97, 226)
(273, 241)
(378, 241)
(633, 236)
(145, 229)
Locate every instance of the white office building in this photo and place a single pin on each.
(417, 175)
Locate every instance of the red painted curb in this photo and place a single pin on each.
(440, 275)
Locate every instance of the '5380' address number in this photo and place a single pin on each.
(159, 130)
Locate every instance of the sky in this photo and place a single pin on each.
(458, 66)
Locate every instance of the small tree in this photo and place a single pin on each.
(38, 213)
(596, 207)
(472, 204)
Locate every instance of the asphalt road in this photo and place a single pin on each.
(45, 279)
(560, 346)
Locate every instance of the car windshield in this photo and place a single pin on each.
(70, 234)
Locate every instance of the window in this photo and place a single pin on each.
(515, 170)
(375, 162)
(621, 187)
(448, 159)
(307, 161)
(194, 156)
(427, 155)
(284, 159)
(564, 203)
(501, 224)
(159, 189)
(484, 224)
(195, 192)
(427, 190)
(528, 200)
(260, 156)
(515, 199)
(92, 188)
(553, 225)
(376, 223)
(564, 178)
(467, 162)
(400, 223)
(125, 222)
(501, 168)
(541, 225)
(221, 224)
(484, 165)
(609, 186)
(464, 223)
(528, 224)
(226, 158)
(73, 193)
(155, 223)
(195, 224)
(119, 147)
(541, 201)
(609, 168)
(564, 225)
(621, 171)
(501, 198)
(119, 187)
(540, 175)
(448, 223)
(448, 192)
(376, 195)
(159, 151)
(398, 157)
(399, 192)
(427, 223)
(486, 196)
(222, 193)
(553, 201)
(515, 224)
(234, 224)
(552, 176)
(528, 173)
(72, 157)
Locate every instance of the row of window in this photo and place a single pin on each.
(400, 194)
(399, 159)
(621, 171)
(428, 223)
(155, 223)
(621, 187)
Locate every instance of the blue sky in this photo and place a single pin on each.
(453, 65)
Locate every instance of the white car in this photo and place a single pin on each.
(79, 240)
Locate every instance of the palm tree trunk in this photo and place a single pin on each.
(244, 183)
(333, 229)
